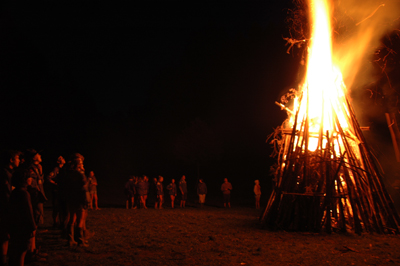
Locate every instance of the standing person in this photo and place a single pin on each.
(21, 220)
(38, 196)
(201, 191)
(183, 189)
(130, 191)
(226, 190)
(160, 193)
(141, 187)
(172, 192)
(10, 161)
(146, 189)
(93, 190)
(257, 193)
(52, 178)
(77, 201)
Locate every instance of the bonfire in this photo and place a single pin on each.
(326, 177)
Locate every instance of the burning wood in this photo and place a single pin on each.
(325, 176)
(284, 107)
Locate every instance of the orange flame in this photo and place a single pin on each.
(322, 103)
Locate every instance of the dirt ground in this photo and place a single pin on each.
(209, 236)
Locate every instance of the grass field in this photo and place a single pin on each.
(209, 236)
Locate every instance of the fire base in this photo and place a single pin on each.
(335, 187)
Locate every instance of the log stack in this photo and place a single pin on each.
(337, 187)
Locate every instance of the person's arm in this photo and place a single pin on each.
(50, 178)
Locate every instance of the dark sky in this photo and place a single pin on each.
(120, 83)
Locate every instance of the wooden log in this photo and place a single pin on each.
(360, 194)
(353, 204)
(328, 206)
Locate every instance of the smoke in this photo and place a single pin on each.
(359, 27)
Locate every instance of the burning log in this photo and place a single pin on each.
(284, 107)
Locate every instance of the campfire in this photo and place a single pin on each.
(325, 176)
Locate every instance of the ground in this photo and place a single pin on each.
(209, 236)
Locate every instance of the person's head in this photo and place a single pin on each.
(75, 157)
(29, 181)
(173, 181)
(14, 159)
(225, 180)
(256, 182)
(61, 161)
(183, 178)
(77, 164)
(37, 159)
(145, 178)
(160, 178)
(91, 173)
(11, 158)
(201, 180)
(33, 157)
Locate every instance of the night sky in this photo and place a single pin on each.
(123, 85)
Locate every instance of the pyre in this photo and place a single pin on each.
(326, 177)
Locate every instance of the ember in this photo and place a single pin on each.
(326, 178)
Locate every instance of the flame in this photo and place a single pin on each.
(322, 104)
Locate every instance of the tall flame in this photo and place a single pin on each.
(322, 103)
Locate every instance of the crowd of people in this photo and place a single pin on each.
(21, 203)
(22, 196)
(138, 188)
